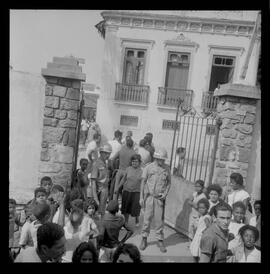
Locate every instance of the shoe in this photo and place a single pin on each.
(143, 244)
(162, 246)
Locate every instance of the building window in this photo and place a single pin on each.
(131, 121)
(134, 66)
(210, 129)
(169, 124)
(222, 71)
(177, 70)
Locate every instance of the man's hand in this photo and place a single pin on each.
(59, 197)
(161, 196)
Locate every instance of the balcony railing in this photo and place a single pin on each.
(209, 102)
(170, 96)
(137, 94)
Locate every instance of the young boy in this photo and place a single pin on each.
(256, 221)
(46, 182)
(42, 213)
(40, 197)
(109, 232)
(82, 180)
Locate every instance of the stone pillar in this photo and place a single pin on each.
(237, 110)
(62, 97)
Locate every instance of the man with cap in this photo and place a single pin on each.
(111, 225)
(156, 182)
(100, 178)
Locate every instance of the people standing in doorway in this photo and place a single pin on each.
(197, 195)
(100, 178)
(131, 183)
(214, 241)
(84, 130)
(156, 182)
(93, 129)
(124, 155)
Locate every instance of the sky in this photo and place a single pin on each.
(36, 36)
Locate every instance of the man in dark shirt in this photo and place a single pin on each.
(214, 241)
(109, 231)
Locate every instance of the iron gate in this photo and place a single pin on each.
(194, 151)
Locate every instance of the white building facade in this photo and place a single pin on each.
(153, 58)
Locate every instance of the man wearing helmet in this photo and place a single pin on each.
(100, 178)
(156, 182)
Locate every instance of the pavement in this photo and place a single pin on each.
(177, 245)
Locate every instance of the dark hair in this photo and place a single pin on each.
(129, 249)
(12, 201)
(222, 207)
(57, 187)
(200, 182)
(81, 248)
(48, 234)
(238, 178)
(96, 136)
(215, 187)
(129, 143)
(149, 134)
(249, 227)
(142, 143)
(90, 202)
(40, 211)
(118, 133)
(77, 204)
(135, 157)
(77, 211)
(82, 160)
(71, 196)
(40, 189)
(239, 204)
(45, 178)
(257, 202)
(205, 202)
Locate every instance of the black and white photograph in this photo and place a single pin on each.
(134, 136)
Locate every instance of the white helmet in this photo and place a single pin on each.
(106, 148)
(161, 154)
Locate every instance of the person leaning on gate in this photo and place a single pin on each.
(100, 178)
(156, 182)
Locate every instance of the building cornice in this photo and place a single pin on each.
(140, 41)
(179, 23)
(240, 49)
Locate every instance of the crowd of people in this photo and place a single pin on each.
(89, 222)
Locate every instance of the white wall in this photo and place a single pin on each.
(27, 93)
(150, 118)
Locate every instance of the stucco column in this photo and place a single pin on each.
(62, 97)
(237, 109)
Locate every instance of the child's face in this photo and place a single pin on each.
(213, 195)
(257, 209)
(40, 197)
(87, 257)
(238, 214)
(202, 209)
(90, 210)
(135, 163)
(84, 165)
(198, 188)
(249, 238)
(47, 185)
(233, 184)
(11, 208)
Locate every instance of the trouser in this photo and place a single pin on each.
(102, 197)
(153, 208)
(119, 175)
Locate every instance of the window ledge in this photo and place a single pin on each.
(131, 104)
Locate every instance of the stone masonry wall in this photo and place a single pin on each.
(238, 118)
(61, 110)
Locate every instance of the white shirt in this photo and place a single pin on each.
(116, 146)
(253, 221)
(33, 231)
(84, 125)
(28, 255)
(237, 195)
(234, 228)
(56, 217)
(253, 257)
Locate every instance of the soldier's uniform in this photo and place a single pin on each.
(158, 182)
(100, 173)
